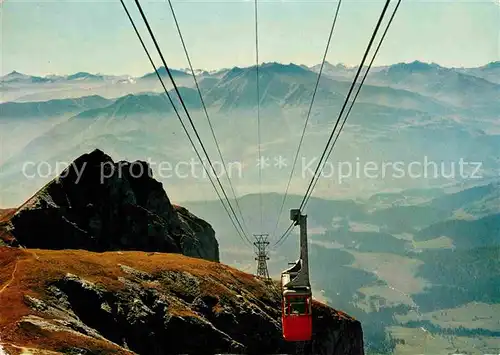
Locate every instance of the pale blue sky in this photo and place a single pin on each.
(62, 36)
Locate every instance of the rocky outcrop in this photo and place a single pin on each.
(99, 205)
(79, 302)
(6, 238)
(202, 244)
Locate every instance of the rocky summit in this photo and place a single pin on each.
(99, 205)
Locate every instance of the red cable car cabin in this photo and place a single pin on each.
(296, 309)
(297, 315)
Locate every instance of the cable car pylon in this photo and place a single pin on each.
(262, 255)
(296, 289)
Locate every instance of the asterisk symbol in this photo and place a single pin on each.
(263, 162)
(279, 162)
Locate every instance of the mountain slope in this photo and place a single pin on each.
(292, 85)
(466, 234)
(51, 108)
(15, 77)
(459, 277)
(151, 304)
(478, 201)
(445, 84)
(490, 71)
(85, 76)
(164, 74)
(473, 203)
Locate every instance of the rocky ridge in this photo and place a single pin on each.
(80, 302)
(99, 205)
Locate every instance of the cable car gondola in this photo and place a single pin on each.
(296, 305)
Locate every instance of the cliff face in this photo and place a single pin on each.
(99, 205)
(80, 302)
(202, 244)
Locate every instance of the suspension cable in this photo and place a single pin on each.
(308, 115)
(206, 113)
(314, 181)
(320, 163)
(178, 116)
(359, 89)
(261, 163)
(187, 113)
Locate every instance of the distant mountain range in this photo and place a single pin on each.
(416, 86)
(15, 77)
(20, 78)
(404, 112)
(50, 108)
(412, 86)
(490, 72)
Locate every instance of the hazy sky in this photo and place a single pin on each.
(61, 36)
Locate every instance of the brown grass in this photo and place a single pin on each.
(36, 268)
(59, 340)
(179, 310)
(217, 308)
(6, 214)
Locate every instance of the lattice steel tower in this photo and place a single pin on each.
(262, 255)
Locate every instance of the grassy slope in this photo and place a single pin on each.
(28, 271)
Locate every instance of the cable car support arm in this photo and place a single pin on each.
(300, 270)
